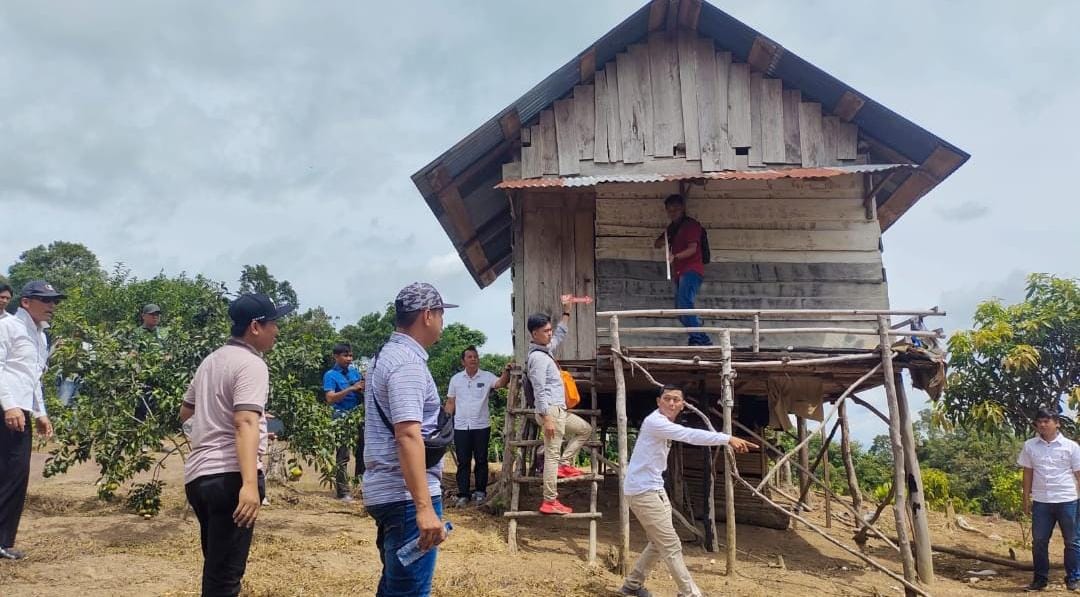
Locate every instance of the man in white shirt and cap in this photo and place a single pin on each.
(24, 353)
(1051, 464)
(644, 489)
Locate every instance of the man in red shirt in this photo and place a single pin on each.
(684, 236)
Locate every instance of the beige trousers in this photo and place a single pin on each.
(575, 431)
(653, 511)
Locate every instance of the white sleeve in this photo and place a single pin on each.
(688, 435)
(1024, 459)
(6, 400)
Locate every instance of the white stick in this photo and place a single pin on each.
(667, 254)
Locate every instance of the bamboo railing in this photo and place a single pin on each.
(908, 508)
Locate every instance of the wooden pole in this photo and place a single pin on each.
(620, 420)
(728, 403)
(825, 478)
(849, 461)
(508, 431)
(769, 313)
(712, 541)
(757, 333)
(916, 497)
(804, 463)
(895, 441)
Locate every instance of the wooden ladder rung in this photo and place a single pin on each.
(578, 479)
(588, 412)
(525, 443)
(535, 514)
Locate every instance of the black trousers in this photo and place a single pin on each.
(14, 477)
(224, 545)
(341, 479)
(472, 444)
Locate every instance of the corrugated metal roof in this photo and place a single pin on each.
(757, 174)
(878, 122)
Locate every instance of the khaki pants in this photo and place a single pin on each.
(653, 511)
(575, 431)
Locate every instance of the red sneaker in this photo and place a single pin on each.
(566, 471)
(555, 507)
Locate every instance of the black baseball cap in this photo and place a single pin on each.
(256, 307)
(40, 289)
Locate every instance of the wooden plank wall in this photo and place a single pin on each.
(557, 257)
(677, 105)
(780, 244)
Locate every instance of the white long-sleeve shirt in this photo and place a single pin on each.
(24, 354)
(650, 457)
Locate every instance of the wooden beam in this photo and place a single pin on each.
(587, 65)
(459, 220)
(671, 19)
(933, 170)
(848, 106)
(765, 54)
(510, 123)
(440, 178)
(689, 12)
(657, 14)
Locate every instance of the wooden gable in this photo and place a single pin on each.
(677, 105)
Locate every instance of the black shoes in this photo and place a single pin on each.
(10, 553)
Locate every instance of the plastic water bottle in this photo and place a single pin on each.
(410, 552)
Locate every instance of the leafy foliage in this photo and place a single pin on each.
(97, 338)
(1017, 359)
(65, 265)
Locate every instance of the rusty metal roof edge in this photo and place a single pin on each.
(756, 174)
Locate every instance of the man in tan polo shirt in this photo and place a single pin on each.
(226, 403)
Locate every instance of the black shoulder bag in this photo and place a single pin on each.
(436, 442)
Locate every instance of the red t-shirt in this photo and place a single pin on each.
(689, 233)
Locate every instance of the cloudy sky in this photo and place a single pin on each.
(202, 136)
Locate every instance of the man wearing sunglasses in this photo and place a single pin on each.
(23, 355)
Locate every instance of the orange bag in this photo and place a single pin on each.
(573, 398)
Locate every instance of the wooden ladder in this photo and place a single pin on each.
(520, 434)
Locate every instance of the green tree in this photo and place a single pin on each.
(1016, 359)
(64, 265)
(370, 332)
(257, 278)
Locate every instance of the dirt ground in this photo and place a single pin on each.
(307, 543)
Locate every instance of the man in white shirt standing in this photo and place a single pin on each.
(1051, 464)
(644, 489)
(23, 356)
(467, 399)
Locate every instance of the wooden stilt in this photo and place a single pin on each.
(594, 464)
(916, 497)
(620, 419)
(895, 441)
(825, 478)
(712, 541)
(804, 463)
(849, 461)
(727, 403)
(508, 433)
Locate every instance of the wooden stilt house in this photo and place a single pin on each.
(794, 174)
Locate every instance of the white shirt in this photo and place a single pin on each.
(1053, 464)
(23, 356)
(470, 396)
(650, 457)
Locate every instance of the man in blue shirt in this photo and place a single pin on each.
(341, 384)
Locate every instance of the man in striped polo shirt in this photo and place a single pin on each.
(401, 492)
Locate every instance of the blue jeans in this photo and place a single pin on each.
(396, 522)
(686, 289)
(1043, 518)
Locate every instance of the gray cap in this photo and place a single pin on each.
(419, 296)
(150, 308)
(40, 289)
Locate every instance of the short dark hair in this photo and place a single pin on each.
(673, 199)
(1046, 413)
(469, 348)
(671, 387)
(239, 329)
(405, 319)
(537, 321)
(5, 286)
(341, 348)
